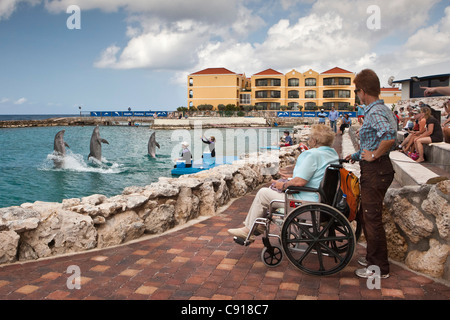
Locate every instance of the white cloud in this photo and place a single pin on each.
(20, 101)
(4, 100)
(429, 45)
(171, 47)
(7, 7)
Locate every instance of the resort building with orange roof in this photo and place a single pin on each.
(272, 90)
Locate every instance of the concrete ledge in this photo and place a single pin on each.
(408, 172)
(438, 154)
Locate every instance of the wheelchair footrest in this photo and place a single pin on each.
(242, 242)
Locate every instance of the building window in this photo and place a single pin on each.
(261, 94)
(293, 94)
(191, 94)
(293, 105)
(294, 82)
(328, 105)
(416, 92)
(328, 93)
(268, 83)
(329, 81)
(276, 83)
(246, 99)
(310, 94)
(344, 81)
(274, 106)
(310, 106)
(275, 94)
(343, 105)
(344, 94)
(191, 82)
(310, 82)
(261, 82)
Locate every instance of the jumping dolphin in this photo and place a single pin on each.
(152, 144)
(59, 148)
(96, 145)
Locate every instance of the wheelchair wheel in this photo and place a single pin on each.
(318, 239)
(272, 256)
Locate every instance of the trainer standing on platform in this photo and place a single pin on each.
(377, 138)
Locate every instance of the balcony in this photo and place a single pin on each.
(268, 83)
(337, 81)
(267, 94)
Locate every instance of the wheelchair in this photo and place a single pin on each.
(317, 238)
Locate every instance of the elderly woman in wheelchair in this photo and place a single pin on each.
(312, 231)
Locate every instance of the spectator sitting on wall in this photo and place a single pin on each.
(361, 114)
(446, 125)
(407, 145)
(431, 135)
(346, 123)
(403, 117)
(287, 140)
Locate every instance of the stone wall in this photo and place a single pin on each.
(417, 224)
(39, 230)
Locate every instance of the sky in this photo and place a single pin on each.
(109, 55)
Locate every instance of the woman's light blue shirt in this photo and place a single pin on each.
(311, 166)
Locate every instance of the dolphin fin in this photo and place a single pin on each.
(65, 143)
(157, 144)
(104, 141)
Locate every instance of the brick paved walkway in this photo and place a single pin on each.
(200, 262)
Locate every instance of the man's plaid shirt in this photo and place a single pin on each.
(379, 124)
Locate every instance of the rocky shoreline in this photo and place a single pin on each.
(40, 230)
(53, 122)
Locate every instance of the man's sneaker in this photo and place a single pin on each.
(363, 261)
(366, 273)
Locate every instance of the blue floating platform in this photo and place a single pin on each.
(202, 165)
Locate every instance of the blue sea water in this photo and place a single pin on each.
(28, 173)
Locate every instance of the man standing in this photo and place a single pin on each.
(322, 115)
(377, 139)
(333, 116)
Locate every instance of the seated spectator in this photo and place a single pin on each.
(403, 117)
(287, 140)
(407, 145)
(346, 123)
(309, 171)
(409, 122)
(433, 133)
(361, 114)
(446, 125)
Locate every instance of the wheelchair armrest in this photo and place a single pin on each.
(294, 190)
